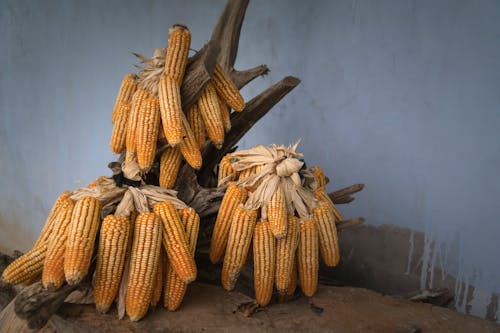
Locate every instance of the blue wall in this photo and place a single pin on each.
(403, 96)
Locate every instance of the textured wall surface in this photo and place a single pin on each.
(403, 96)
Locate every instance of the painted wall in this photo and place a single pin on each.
(403, 96)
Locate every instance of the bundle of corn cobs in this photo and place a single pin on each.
(274, 199)
(131, 265)
(148, 107)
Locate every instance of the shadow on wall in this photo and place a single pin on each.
(398, 261)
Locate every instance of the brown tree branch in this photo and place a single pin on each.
(242, 78)
(343, 225)
(36, 305)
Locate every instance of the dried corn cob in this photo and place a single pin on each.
(125, 93)
(307, 252)
(119, 134)
(328, 241)
(111, 253)
(244, 174)
(287, 294)
(27, 267)
(179, 41)
(277, 213)
(169, 94)
(131, 140)
(238, 243)
(323, 197)
(226, 172)
(53, 268)
(169, 166)
(189, 147)
(233, 197)
(209, 107)
(148, 123)
(175, 288)
(319, 175)
(81, 237)
(51, 219)
(174, 241)
(196, 123)
(225, 115)
(158, 283)
(143, 264)
(264, 264)
(285, 254)
(227, 90)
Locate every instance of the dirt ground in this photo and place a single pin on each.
(208, 308)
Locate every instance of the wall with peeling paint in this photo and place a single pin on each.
(401, 95)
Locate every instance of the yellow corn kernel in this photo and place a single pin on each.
(169, 94)
(53, 268)
(132, 123)
(158, 283)
(169, 166)
(175, 242)
(81, 237)
(238, 243)
(27, 267)
(46, 232)
(125, 93)
(113, 240)
(175, 288)
(226, 172)
(244, 174)
(277, 213)
(148, 123)
(288, 293)
(119, 133)
(196, 123)
(307, 252)
(319, 175)
(209, 107)
(179, 41)
(143, 264)
(264, 263)
(233, 197)
(225, 114)
(189, 147)
(328, 240)
(285, 254)
(321, 195)
(227, 90)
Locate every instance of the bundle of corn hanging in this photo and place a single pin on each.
(148, 107)
(275, 199)
(131, 265)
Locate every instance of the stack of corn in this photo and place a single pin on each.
(131, 265)
(148, 107)
(273, 197)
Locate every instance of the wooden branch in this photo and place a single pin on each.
(199, 71)
(241, 122)
(343, 225)
(36, 305)
(227, 32)
(205, 201)
(242, 78)
(222, 48)
(346, 191)
(343, 200)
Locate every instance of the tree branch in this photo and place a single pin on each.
(242, 78)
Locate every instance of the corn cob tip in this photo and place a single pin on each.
(101, 308)
(179, 26)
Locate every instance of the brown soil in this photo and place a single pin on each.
(208, 308)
